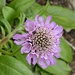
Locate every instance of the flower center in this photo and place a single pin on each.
(41, 38)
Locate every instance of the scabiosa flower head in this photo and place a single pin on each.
(41, 42)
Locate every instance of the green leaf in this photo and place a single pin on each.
(11, 66)
(2, 3)
(6, 24)
(44, 73)
(35, 9)
(21, 5)
(40, 70)
(3, 31)
(61, 68)
(62, 16)
(18, 55)
(22, 18)
(66, 52)
(8, 13)
(22, 58)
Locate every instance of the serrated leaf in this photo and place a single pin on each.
(21, 5)
(61, 68)
(11, 66)
(8, 13)
(66, 53)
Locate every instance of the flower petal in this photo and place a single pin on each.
(41, 21)
(47, 62)
(25, 35)
(36, 18)
(26, 48)
(59, 35)
(42, 63)
(57, 55)
(30, 26)
(51, 25)
(58, 29)
(31, 58)
(56, 49)
(48, 20)
(18, 42)
(20, 38)
(52, 60)
(17, 36)
(34, 60)
(28, 58)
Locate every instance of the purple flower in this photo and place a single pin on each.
(41, 41)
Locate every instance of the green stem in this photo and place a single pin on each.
(5, 52)
(15, 51)
(9, 53)
(4, 40)
(44, 9)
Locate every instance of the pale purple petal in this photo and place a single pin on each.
(57, 55)
(36, 18)
(18, 42)
(56, 49)
(59, 35)
(20, 38)
(42, 63)
(31, 58)
(30, 26)
(47, 62)
(41, 21)
(58, 41)
(26, 48)
(48, 20)
(25, 35)
(51, 25)
(52, 60)
(58, 29)
(17, 36)
(28, 58)
(34, 59)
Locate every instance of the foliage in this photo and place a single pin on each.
(12, 18)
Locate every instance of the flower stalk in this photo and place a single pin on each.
(9, 53)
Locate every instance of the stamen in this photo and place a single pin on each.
(41, 39)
